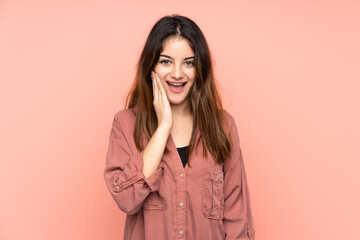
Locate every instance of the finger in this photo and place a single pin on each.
(158, 93)
(161, 88)
(157, 88)
(153, 87)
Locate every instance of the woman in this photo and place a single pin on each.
(174, 164)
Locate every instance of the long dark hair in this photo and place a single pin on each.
(206, 106)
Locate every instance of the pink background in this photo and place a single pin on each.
(289, 74)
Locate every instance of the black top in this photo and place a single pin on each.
(182, 153)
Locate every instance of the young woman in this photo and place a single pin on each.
(174, 163)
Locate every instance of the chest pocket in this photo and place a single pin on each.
(213, 194)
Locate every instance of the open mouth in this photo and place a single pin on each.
(176, 87)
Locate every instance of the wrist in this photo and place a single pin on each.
(164, 129)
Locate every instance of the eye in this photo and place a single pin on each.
(190, 63)
(164, 61)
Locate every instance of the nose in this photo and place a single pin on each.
(176, 72)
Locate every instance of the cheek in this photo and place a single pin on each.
(160, 72)
(191, 74)
(192, 77)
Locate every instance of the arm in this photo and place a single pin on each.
(154, 150)
(124, 175)
(238, 219)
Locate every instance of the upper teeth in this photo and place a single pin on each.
(176, 84)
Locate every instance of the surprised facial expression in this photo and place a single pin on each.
(176, 70)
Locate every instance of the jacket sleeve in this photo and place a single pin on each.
(238, 219)
(123, 172)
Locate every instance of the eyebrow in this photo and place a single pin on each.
(162, 55)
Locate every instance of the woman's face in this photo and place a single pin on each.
(176, 70)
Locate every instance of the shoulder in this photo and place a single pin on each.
(123, 121)
(235, 156)
(232, 130)
(229, 121)
(125, 115)
(228, 117)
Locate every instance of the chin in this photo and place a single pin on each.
(176, 102)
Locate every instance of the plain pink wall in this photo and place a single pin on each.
(289, 74)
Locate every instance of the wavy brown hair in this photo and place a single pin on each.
(206, 106)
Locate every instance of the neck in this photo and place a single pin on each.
(180, 110)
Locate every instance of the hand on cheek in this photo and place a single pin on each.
(161, 103)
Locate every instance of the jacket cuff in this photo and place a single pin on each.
(119, 187)
(153, 181)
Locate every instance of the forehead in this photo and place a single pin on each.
(177, 47)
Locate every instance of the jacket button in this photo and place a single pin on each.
(181, 175)
(181, 232)
(117, 187)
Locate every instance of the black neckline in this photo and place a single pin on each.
(182, 147)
